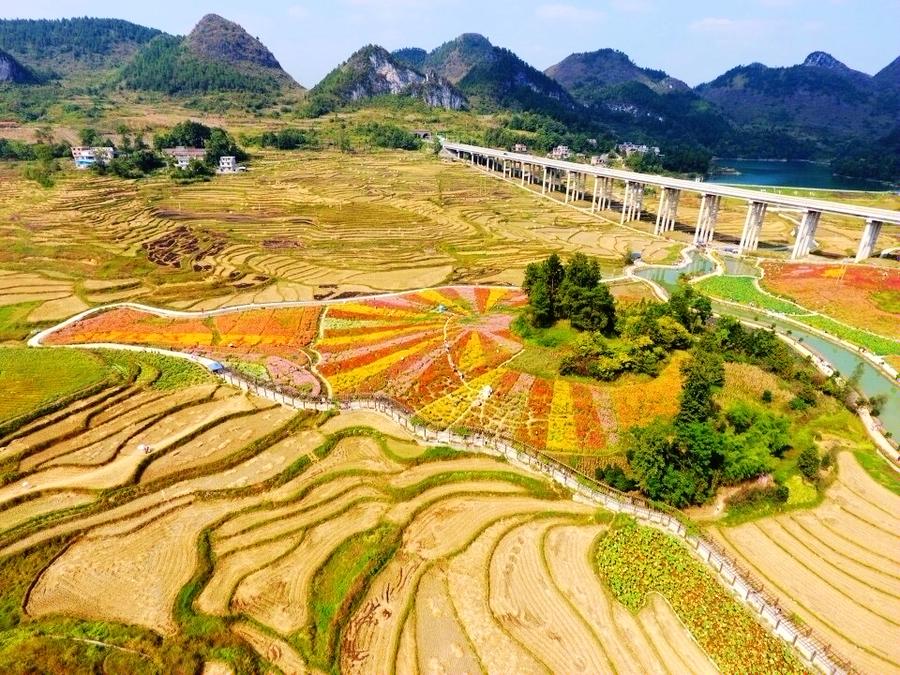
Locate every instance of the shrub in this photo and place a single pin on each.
(808, 462)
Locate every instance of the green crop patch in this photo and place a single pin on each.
(636, 561)
(39, 376)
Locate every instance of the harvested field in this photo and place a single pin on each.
(299, 226)
(365, 418)
(34, 508)
(148, 566)
(531, 608)
(445, 647)
(833, 565)
(317, 548)
(274, 650)
(568, 550)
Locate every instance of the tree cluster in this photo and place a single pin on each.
(287, 139)
(684, 461)
(643, 338)
(390, 136)
(573, 291)
(190, 134)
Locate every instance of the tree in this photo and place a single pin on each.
(808, 462)
(220, 144)
(701, 374)
(690, 308)
(190, 134)
(89, 136)
(542, 282)
(583, 299)
(542, 310)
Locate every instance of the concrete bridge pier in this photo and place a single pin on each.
(668, 209)
(605, 194)
(756, 213)
(544, 182)
(806, 233)
(633, 203)
(568, 186)
(706, 222)
(867, 243)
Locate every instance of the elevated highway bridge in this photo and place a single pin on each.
(553, 174)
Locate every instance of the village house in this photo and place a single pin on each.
(628, 149)
(520, 147)
(183, 155)
(228, 164)
(600, 160)
(85, 157)
(560, 152)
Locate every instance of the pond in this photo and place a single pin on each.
(785, 174)
(667, 276)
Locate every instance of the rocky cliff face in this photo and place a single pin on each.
(372, 71)
(13, 72)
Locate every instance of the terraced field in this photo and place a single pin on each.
(855, 306)
(300, 225)
(312, 546)
(835, 566)
(867, 297)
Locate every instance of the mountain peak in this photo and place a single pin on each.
(824, 60)
(610, 67)
(219, 39)
(473, 40)
(456, 58)
(890, 74)
(373, 71)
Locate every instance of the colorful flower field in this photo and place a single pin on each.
(273, 340)
(444, 353)
(863, 296)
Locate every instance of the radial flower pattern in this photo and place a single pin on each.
(445, 353)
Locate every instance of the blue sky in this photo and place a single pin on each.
(694, 40)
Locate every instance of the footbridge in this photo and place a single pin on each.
(572, 178)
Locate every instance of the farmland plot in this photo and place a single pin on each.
(835, 566)
(323, 548)
(448, 354)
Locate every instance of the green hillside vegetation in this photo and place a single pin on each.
(682, 460)
(166, 65)
(878, 160)
(509, 83)
(59, 47)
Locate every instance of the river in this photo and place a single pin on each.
(787, 174)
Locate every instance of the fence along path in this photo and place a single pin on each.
(747, 588)
(813, 650)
